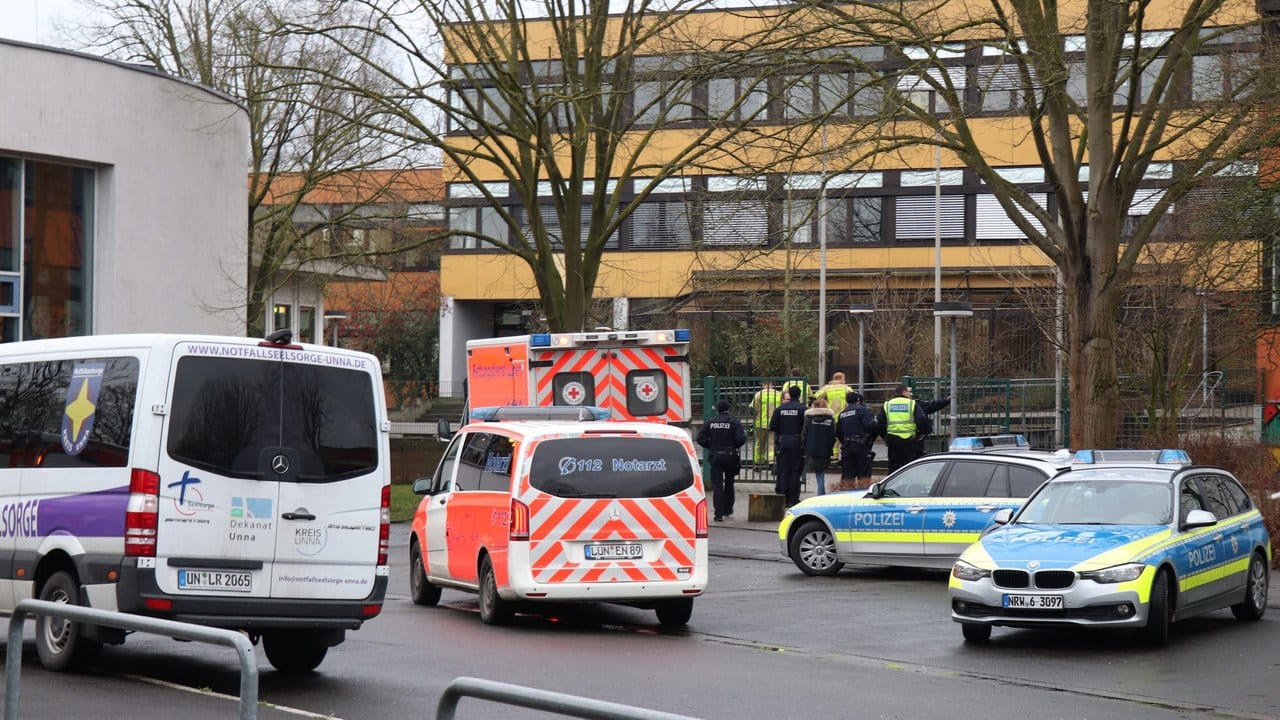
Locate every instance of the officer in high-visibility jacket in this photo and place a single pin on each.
(901, 421)
(764, 402)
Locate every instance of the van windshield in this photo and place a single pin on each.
(611, 467)
(226, 411)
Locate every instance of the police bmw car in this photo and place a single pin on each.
(923, 515)
(1118, 542)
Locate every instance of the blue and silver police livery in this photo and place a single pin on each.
(1111, 544)
(923, 515)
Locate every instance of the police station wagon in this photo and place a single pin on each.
(923, 515)
(1120, 545)
(523, 512)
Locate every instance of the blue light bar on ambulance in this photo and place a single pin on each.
(683, 335)
(1164, 457)
(540, 340)
(570, 413)
(988, 442)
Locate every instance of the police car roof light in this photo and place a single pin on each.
(540, 340)
(541, 412)
(1167, 456)
(962, 444)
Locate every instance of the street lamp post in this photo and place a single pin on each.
(333, 318)
(955, 311)
(860, 311)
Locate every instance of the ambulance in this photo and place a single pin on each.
(640, 375)
(523, 512)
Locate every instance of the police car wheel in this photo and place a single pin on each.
(675, 613)
(61, 643)
(1159, 611)
(420, 589)
(975, 633)
(493, 609)
(813, 550)
(1255, 591)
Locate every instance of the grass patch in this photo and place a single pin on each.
(403, 503)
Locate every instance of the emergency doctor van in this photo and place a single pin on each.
(535, 511)
(640, 375)
(223, 481)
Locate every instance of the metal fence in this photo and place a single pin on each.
(535, 699)
(125, 621)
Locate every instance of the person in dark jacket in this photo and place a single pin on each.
(818, 437)
(856, 429)
(723, 435)
(786, 425)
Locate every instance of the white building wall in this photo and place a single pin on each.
(460, 322)
(169, 244)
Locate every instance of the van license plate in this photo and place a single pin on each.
(1033, 602)
(615, 551)
(221, 580)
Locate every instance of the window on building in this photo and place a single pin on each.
(306, 324)
(662, 223)
(281, 316)
(485, 220)
(476, 107)
(855, 220)
(735, 222)
(993, 223)
(10, 250)
(57, 225)
(739, 99)
(916, 217)
(662, 102)
(815, 96)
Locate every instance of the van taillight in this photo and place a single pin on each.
(384, 526)
(141, 517)
(700, 519)
(518, 525)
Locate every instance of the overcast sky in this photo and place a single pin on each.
(34, 20)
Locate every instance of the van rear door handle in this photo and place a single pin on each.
(297, 516)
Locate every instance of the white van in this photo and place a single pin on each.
(224, 481)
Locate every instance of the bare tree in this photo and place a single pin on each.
(570, 106)
(1104, 112)
(304, 131)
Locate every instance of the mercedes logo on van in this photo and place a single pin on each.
(280, 464)
(615, 514)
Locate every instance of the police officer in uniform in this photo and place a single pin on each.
(901, 421)
(786, 424)
(856, 429)
(723, 435)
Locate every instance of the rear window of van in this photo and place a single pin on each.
(225, 411)
(610, 467)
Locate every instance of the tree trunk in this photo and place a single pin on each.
(1095, 391)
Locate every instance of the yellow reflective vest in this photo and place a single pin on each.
(900, 417)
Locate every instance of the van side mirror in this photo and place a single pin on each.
(444, 432)
(1003, 516)
(422, 486)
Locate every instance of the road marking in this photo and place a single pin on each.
(234, 698)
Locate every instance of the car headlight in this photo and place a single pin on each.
(968, 571)
(1115, 573)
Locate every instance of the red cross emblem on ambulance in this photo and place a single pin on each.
(574, 393)
(646, 388)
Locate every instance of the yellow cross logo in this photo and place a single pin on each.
(80, 409)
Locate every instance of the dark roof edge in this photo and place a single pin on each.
(127, 66)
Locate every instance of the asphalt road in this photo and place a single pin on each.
(765, 642)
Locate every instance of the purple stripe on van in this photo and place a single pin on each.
(95, 514)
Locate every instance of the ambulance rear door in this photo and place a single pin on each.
(637, 381)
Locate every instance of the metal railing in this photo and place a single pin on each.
(125, 621)
(545, 700)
